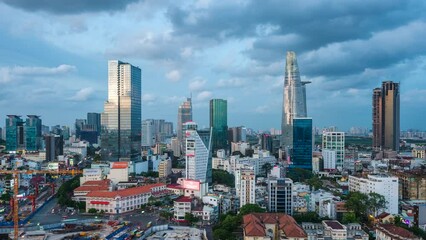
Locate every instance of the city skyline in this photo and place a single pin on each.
(64, 69)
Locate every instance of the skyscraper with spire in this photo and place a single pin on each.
(294, 99)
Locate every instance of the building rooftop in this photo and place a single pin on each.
(334, 225)
(254, 224)
(396, 232)
(125, 192)
(183, 199)
(91, 188)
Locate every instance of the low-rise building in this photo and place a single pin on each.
(91, 186)
(392, 232)
(121, 201)
(334, 230)
(271, 226)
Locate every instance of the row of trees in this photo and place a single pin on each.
(229, 223)
(65, 192)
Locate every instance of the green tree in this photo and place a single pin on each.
(266, 168)
(189, 217)
(307, 217)
(223, 177)
(349, 217)
(5, 197)
(92, 210)
(250, 208)
(299, 174)
(222, 234)
(357, 203)
(375, 203)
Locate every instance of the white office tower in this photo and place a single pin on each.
(247, 186)
(197, 155)
(335, 141)
(280, 195)
(382, 184)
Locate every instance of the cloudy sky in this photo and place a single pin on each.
(54, 53)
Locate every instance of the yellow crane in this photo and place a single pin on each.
(15, 174)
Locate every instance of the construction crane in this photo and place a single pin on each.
(15, 174)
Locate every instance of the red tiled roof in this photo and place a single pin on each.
(97, 182)
(91, 188)
(174, 186)
(125, 192)
(183, 199)
(383, 215)
(396, 231)
(254, 224)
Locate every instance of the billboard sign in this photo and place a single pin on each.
(191, 184)
(120, 165)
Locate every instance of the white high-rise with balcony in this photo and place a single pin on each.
(384, 185)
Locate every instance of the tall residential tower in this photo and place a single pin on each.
(121, 119)
(294, 99)
(386, 116)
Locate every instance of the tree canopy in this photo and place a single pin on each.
(223, 177)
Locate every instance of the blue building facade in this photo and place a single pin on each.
(301, 156)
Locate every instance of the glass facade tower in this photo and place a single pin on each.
(15, 138)
(301, 156)
(121, 120)
(294, 99)
(33, 133)
(219, 124)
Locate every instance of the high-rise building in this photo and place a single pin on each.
(198, 154)
(121, 120)
(79, 125)
(165, 168)
(66, 132)
(148, 133)
(386, 116)
(384, 185)
(54, 146)
(294, 99)
(247, 186)
(94, 119)
(168, 129)
(184, 116)
(334, 141)
(15, 137)
(33, 133)
(266, 142)
(175, 146)
(280, 195)
(219, 123)
(237, 134)
(301, 156)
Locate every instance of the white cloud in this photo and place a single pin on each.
(82, 95)
(197, 84)
(227, 83)
(173, 75)
(8, 74)
(148, 97)
(204, 95)
(262, 109)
